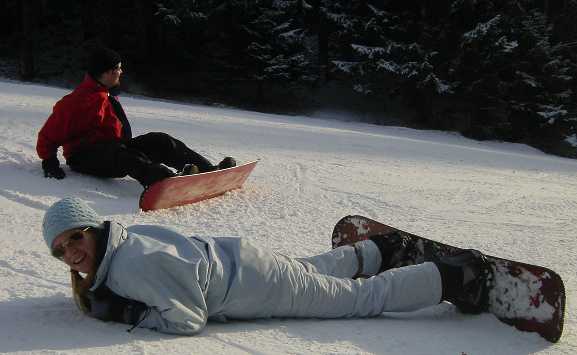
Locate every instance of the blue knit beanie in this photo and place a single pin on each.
(68, 213)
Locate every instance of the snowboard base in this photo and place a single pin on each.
(183, 190)
(529, 297)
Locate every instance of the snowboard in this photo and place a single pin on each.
(183, 190)
(529, 297)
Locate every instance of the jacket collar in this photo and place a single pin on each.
(117, 234)
(92, 84)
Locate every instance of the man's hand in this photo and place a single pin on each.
(52, 168)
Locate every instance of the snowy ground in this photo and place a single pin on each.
(505, 199)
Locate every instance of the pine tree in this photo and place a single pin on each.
(508, 67)
(377, 51)
(277, 53)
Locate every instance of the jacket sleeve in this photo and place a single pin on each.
(51, 136)
(168, 285)
(77, 119)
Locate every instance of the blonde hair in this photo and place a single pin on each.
(80, 287)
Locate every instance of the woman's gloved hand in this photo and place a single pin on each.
(108, 306)
(104, 304)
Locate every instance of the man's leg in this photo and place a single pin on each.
(114, 159)
(162, 148)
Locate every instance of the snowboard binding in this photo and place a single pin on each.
(467, 277)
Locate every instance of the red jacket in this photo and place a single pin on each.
(82, 117)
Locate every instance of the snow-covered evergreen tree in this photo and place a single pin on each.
(277, 44)
(520, 81)
(374, 48)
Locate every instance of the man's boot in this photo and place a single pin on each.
(151, 174)
(189, 169)
(226, 163)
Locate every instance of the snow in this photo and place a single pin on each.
(368, 52)
(376, 11)
(441, 87)
(481, 29)
(572, 139)
(504, 199)
(552, 112)
(346, 67)
(529, 79)
(343, 20)
(282, 4)
(508, 305)
(362, 89)
(389, 66)
(293, 36)
(507, 45)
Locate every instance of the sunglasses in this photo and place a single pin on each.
(59, 251)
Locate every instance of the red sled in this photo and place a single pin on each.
(183, 190)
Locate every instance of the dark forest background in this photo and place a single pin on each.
(503, 69)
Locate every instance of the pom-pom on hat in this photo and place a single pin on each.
(101, 59)
(66, 214)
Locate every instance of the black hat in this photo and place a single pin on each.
(102, 59)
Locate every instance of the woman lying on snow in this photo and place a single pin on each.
(154, 277)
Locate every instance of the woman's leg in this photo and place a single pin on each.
(267, 284)
(305, 294)
(359, 259)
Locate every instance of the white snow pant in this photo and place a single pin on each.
(268, 284)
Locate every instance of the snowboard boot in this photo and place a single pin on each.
(226, 163)
(152, 174)
(396, 250)
(189, 169)
(466, 278)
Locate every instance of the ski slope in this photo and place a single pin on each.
(504, 199)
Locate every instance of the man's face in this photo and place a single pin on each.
(111, 78)
(77, 248)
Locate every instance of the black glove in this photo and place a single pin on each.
(108, 306)
(52, 168)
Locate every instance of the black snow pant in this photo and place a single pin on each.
(139, 157)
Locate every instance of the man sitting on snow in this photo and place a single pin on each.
(154, 277)
(95, 134)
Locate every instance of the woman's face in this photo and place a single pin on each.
(77, 248)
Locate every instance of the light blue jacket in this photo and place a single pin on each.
(168, 272)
